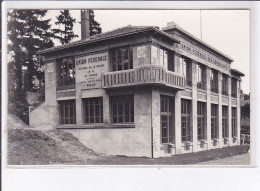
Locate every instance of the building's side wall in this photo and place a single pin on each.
(134, 141)
(47, 113)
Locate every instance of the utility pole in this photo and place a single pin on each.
(200, 25)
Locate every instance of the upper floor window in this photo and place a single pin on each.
(122, 109)
(164, 58)
(224, 80)
(233, 87)
(185, 69)
(214, 81)
(201, 77)
(122, 58)
(65, 72)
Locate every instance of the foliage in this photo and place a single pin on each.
(245, 111)
(28, 32)
(65, 35)
(94, 25)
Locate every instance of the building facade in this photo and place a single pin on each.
(141, 91)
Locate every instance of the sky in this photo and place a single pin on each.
(225, 30)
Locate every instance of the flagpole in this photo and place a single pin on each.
(200, 26)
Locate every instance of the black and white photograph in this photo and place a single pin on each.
(128, 87)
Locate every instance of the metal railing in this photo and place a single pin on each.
(149, 74)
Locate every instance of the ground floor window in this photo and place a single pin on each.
(201, 113)
(214, 124)
(67, 112)
(122, 109)
(234, 122)
(224, 121)
(93, 110)
(185, 120)
(167, 119)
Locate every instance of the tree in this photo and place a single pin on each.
(28, 32)
(66, 34)
(94, 25)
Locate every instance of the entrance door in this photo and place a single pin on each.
(167, 130)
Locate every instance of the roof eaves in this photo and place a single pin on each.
(80, 42)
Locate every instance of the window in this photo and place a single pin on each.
(66, 72)
(122, 58)
(233, 87)
(67, 112)
(214, 81)
(167, 119)
(201, 77)
(123, 109)
(93, 110)
(164, 58)
(201, 113)
(224, 121)
(234, 122)
(171, 64)
(214, 124)
(185, 120)
(185, 69)
(224, 80)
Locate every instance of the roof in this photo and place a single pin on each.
(236, 72)
(127, 30)
(173, 25)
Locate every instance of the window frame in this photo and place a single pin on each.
(115, 54)
(63, 69)
(234, 121)
(87, 103)
(71, 104)
(234, 87)
(201, 119)
(185, 120)
(122, 99)
(214, 121)
(224, 121)
(185, 69)
(224, 80)
(201, 77)
(167, 110)
(214, 81)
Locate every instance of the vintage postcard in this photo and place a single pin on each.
(128, 87)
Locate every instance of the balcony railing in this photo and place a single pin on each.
(143, 75)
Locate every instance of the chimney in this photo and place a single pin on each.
(85, 25)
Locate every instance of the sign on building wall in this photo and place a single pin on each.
(49, 67)
(141, 51)
(89, 70)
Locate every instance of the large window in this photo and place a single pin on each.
(224, 80)
(214, 81)
(201, 76)
(234, 122)
(233, 87)
(224, 121)
(167, 119)
(122, 109)
(65, 72)
(93, 110)
(185, 120)
(201, 113)
(185, 69)
(214, 122)
(67, 112)
(122, 58)
(164, 58)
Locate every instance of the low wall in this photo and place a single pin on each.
(43, 115)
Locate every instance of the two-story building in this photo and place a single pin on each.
(141, 91)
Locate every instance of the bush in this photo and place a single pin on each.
(20, 108)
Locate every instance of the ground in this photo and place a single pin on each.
(32, 146)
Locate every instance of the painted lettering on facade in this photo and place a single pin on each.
(89, 70)
(200, 54)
